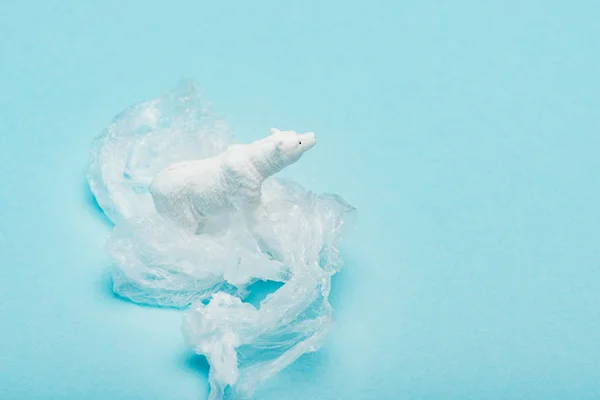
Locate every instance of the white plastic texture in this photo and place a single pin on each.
(159, 261)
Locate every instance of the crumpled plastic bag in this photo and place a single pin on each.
(155, 262)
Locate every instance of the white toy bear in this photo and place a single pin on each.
(189, 192)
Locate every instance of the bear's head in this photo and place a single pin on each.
(291, 145)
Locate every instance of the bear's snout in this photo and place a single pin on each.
(308, 140)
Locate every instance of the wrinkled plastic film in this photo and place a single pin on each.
(295, 242)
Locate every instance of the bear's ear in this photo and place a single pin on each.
(274, 131)
(279, 143)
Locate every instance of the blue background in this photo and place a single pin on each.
(466, 134)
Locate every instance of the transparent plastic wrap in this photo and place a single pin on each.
(155, 262)
(146, 138)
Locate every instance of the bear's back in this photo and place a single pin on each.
(185, 175)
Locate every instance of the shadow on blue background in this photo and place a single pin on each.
(93, 206)
(197, 363)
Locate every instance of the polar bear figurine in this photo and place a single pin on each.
(190, 192)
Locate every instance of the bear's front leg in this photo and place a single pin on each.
(250, 207)
(214, 225)
(201, 225)
(255, 216)
(253, 212)
(243, 186)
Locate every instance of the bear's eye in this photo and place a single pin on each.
(299, 142)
